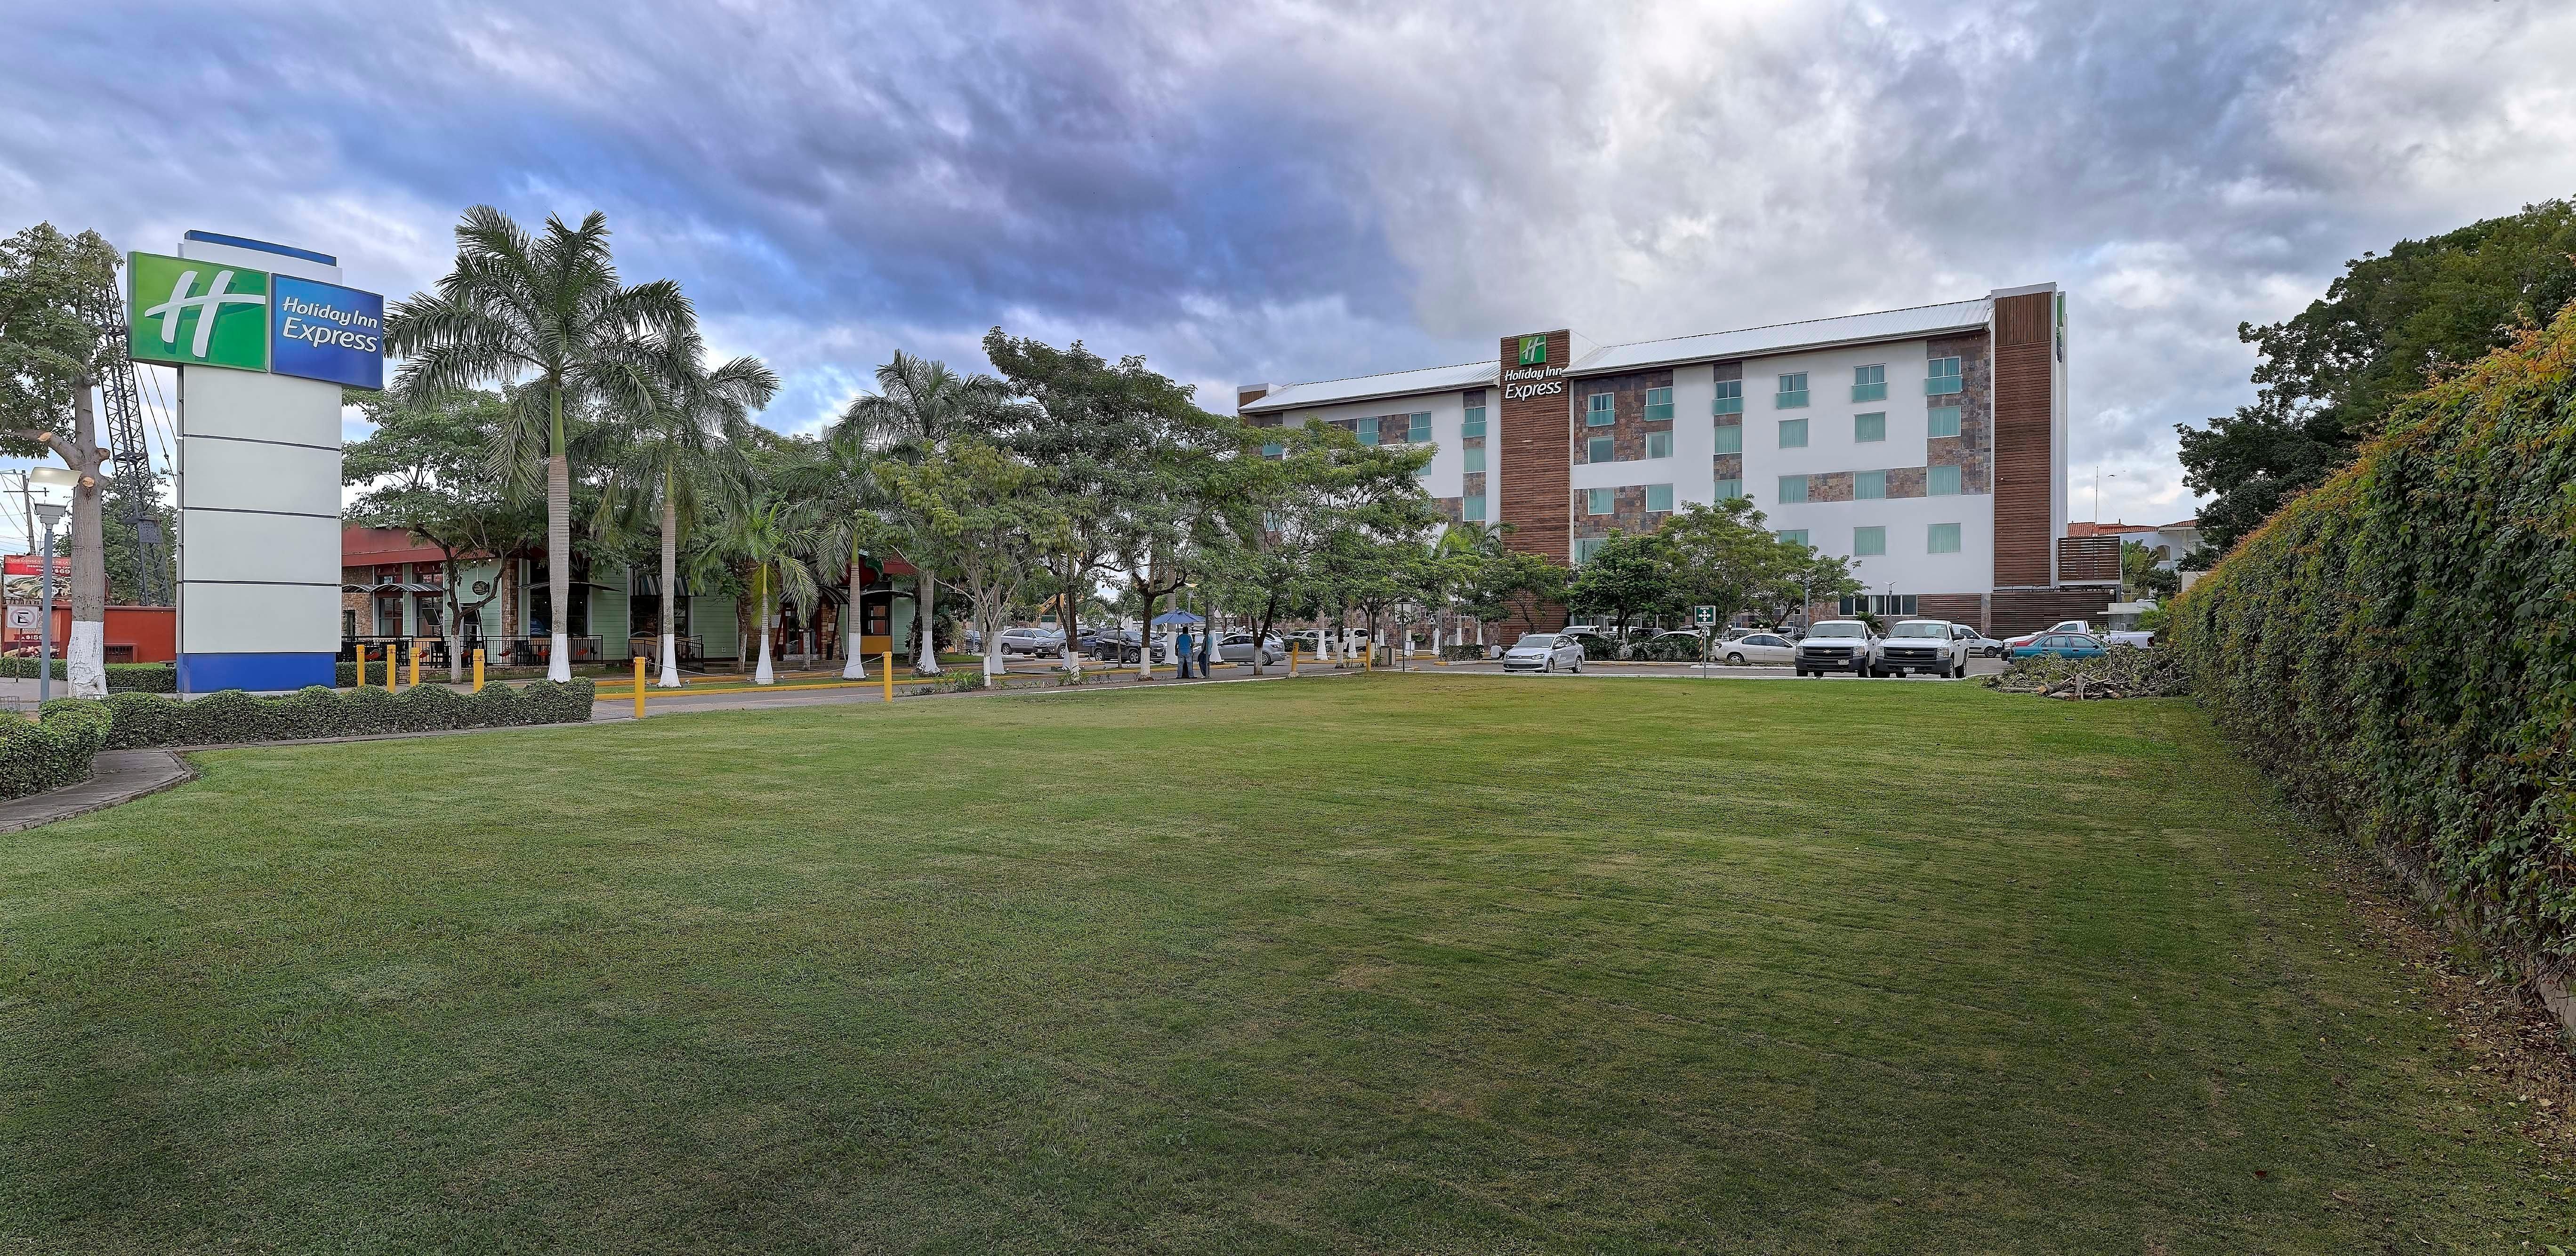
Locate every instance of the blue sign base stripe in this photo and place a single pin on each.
(259, 673)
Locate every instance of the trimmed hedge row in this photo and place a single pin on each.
(52, 750)
(2399, 645)
(143, 719)
(121, 677)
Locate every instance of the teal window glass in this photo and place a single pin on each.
(1942, 421)
(1659, 405)
(1793, 433)
(1869, 427)
(1730, 397)
(1597, 501)
(1365, 429)
(1475, 457)
(1586, 547)
(1472, 507)
(1727, 489)
(1730, 438)
(1793, 488)
(1794, 536)
(1600, 410)
(1944, 539)
(1942, 482)
(1659, 444)
(1869, 485)
(1473, 424)
(1659, 497)
(1867, 541)
(1793, 392)
(1869, 383)
(1598, 449)
(1418, 427)
(1943, 378)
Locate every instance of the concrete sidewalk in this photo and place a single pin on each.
(115, 776)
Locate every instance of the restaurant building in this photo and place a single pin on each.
(1927, 444)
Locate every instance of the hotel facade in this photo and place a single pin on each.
(1928, 444)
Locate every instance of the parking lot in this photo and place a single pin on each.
(1976, 667)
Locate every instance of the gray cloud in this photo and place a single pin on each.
(1295, 190)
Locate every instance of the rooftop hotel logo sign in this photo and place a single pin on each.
(1533, 350)
(197, 313)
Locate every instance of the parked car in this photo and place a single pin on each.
(1237, 648)
(1595, 644)
(1544, 652)
(1838, 645)
(1924, 645)
(1757, 647)
(1979, 644)
(2140, 640)
(2062, 645)
(1031, 641)
(1123, 645)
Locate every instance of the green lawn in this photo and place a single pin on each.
(1399, 963)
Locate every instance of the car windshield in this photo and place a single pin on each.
(1921, 630)
(1534, 641)
(1839, 628)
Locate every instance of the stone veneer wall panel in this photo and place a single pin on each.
(1830, 486)
(1628, 514)
(1973, 449)
(1628, 434)
(1906, 481)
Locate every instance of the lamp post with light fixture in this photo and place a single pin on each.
(47, 515)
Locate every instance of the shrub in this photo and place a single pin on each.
(121, 677)
(52, 750)
(1470, 653)
(141, 719)
(1597, 649)
(1667, 650)
(2122, 673)
(2397, 645)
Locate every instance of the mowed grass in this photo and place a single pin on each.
(1395, 963)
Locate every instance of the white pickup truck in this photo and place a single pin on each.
(2138, 640)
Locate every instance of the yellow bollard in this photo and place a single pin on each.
(414, 681)
(639, 686)
(391, 679)
(1292, 658)
(478, 671)
(362, 667)
(888, 669)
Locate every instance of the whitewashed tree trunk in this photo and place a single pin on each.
(926, 661)
(85, 655)
(559, 563)
(670, 584)
(762, 674)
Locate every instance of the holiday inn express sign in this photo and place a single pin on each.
(187, 312)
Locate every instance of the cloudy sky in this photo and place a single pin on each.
(1290, 189)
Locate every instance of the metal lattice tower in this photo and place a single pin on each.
(122, 404)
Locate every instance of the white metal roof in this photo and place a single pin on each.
(1816, 333)
(1430, 379)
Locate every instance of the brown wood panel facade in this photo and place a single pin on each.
(1535, 425)
(2025, 382)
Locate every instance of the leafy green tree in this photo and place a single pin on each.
(427, 470)
(919, 409)
(1722, 556)
(1631, 574)
(2386, 328)
(1512, 585)
(547, 310)
(54, 347)
(1269, 539)
(989, 518)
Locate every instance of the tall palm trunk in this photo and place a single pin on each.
(762, 675)
(670, 584)
(856, 667)
(927, 662)
(85, 656)
(559, 548)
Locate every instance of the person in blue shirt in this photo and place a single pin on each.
(1182, 650)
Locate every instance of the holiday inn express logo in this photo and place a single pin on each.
(1533, 350)
(197, 313)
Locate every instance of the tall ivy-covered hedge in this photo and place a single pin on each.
(2398, 647)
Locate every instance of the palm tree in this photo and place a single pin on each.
(840, 483)
(687, 446)
(919, 406)
(546, 309)
(773, 539)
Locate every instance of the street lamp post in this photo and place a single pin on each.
(47, 515)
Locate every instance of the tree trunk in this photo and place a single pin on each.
(1145, 638)
(855, 667)
(85, 658)
(762, 675)
(670, 585)
(455, 625)
(926, 658)
(559, 566)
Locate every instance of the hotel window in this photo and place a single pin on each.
(1365, 429)
(1728, 489)
(1475, 457)
(1600, 409)
(1944, 539)
(1659, 497)
(1869, 383)
(1869, 427)
(1942, 421)
(1730, 438)
(1793, 488)
(1869, 486)
(1472, 507)
(1944, 378)
(1793, 433)
(1586, 547)
(1868, 541)
(1597, 501)
(1792, 536)
(1730, 397)
(1598, 449)
(1418, 427)
(1659, 405)
(1942, 482)
(1273, 450)
(1473, 424)
(1659, 444)
(1423, 472)
(1793, 392)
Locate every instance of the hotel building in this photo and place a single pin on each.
(1928, 444)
